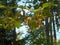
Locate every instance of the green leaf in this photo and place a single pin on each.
(17, 23)
(47, 13)
(21, 6)
(6, 26)
(36, 11)
(48, 4)
(33, 24)
(0, 25)
(2, 6)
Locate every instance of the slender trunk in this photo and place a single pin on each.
(2, 36)
(54, 32)
(14, 41)
(47, 31)
(51, 33)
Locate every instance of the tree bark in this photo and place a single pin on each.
(47, 31)
(54, 32)
(51, 32)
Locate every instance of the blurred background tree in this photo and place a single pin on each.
(42, 23)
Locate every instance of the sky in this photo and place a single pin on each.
(23, 30)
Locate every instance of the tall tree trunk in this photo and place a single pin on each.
(54, 32)
(14, 41)
(2, 36)
(51, 35)
(47, 31)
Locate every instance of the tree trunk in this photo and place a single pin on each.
(14, 41)
(51, 35)
(54, 32)
(47, 31)
(2, 36)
